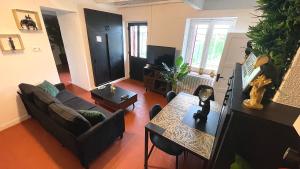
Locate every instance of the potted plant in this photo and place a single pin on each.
(176, 73)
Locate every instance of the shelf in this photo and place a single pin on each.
(154, 81)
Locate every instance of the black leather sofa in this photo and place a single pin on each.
(59, 117)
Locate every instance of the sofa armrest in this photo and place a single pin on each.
(100, 136)
(115, 123)
(60, 86)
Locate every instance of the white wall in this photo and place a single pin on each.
(74, 34)
(229, 4)
(34, 67)
(289, 93)
(27, 67)
(166, 27)
(74, 47)
(167, 22)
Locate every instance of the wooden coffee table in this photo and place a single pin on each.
(112, 100)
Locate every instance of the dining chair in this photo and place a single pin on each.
(200, 87)
(161, 142)
(170, 96)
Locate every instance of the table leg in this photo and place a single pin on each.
(146, 150)
(133, 106)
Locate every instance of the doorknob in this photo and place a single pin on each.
(219, 77)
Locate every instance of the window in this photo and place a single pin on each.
(205, 42)
(137, 39)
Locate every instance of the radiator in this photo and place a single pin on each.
(190, 83)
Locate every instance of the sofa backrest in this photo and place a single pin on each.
(42, 100)
(51, 107)
(28, 89)
(68, 118)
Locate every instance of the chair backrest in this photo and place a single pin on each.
(154, 111)
(200, 87)
(170, 96)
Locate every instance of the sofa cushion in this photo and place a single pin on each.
(92, 116)
(65, 96)
(107, 113)
(78, 103)
(27, 90)
(68, 118)
(42, 100)
(49, 88)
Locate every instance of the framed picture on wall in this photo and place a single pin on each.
(11, 42)
(27, 20)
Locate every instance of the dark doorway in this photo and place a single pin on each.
(137, 35)
(57, 45)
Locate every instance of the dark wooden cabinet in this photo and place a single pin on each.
(154, 81)
(260, 137)
(107, 54)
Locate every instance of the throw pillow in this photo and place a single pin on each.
(43, 99)
(68, 118)
(240, 163)
(49, 88)
(92, 116)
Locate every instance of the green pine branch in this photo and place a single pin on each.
(277, 32)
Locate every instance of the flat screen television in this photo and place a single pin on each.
(156, 55)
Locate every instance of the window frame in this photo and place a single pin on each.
(189, 39)
(138, 24)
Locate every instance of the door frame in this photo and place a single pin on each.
(138, 36)
(135, 58)
(220, 85)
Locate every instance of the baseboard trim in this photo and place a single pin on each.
(14, 121)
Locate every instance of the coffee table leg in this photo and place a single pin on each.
(133, 106)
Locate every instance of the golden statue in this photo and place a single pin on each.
(257, 92)
(258, 87)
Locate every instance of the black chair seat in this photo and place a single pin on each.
(165, 145)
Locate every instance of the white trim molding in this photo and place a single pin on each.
(14, 121)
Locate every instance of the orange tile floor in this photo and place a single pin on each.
(28, 146)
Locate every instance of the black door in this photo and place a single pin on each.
(106, 45)
(116, 55)
(96, 20)
(99, 57)
(114, 21)
(137, 33)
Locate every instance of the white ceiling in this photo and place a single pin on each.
(197, 4)
(124, 3)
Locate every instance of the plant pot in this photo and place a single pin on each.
(174, 87)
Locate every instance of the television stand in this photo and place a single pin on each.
(154, 81)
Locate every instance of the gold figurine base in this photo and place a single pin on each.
(247, 103)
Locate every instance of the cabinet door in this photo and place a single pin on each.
(114, 22)
(99, 57)
(116, 54)
(96, 20)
